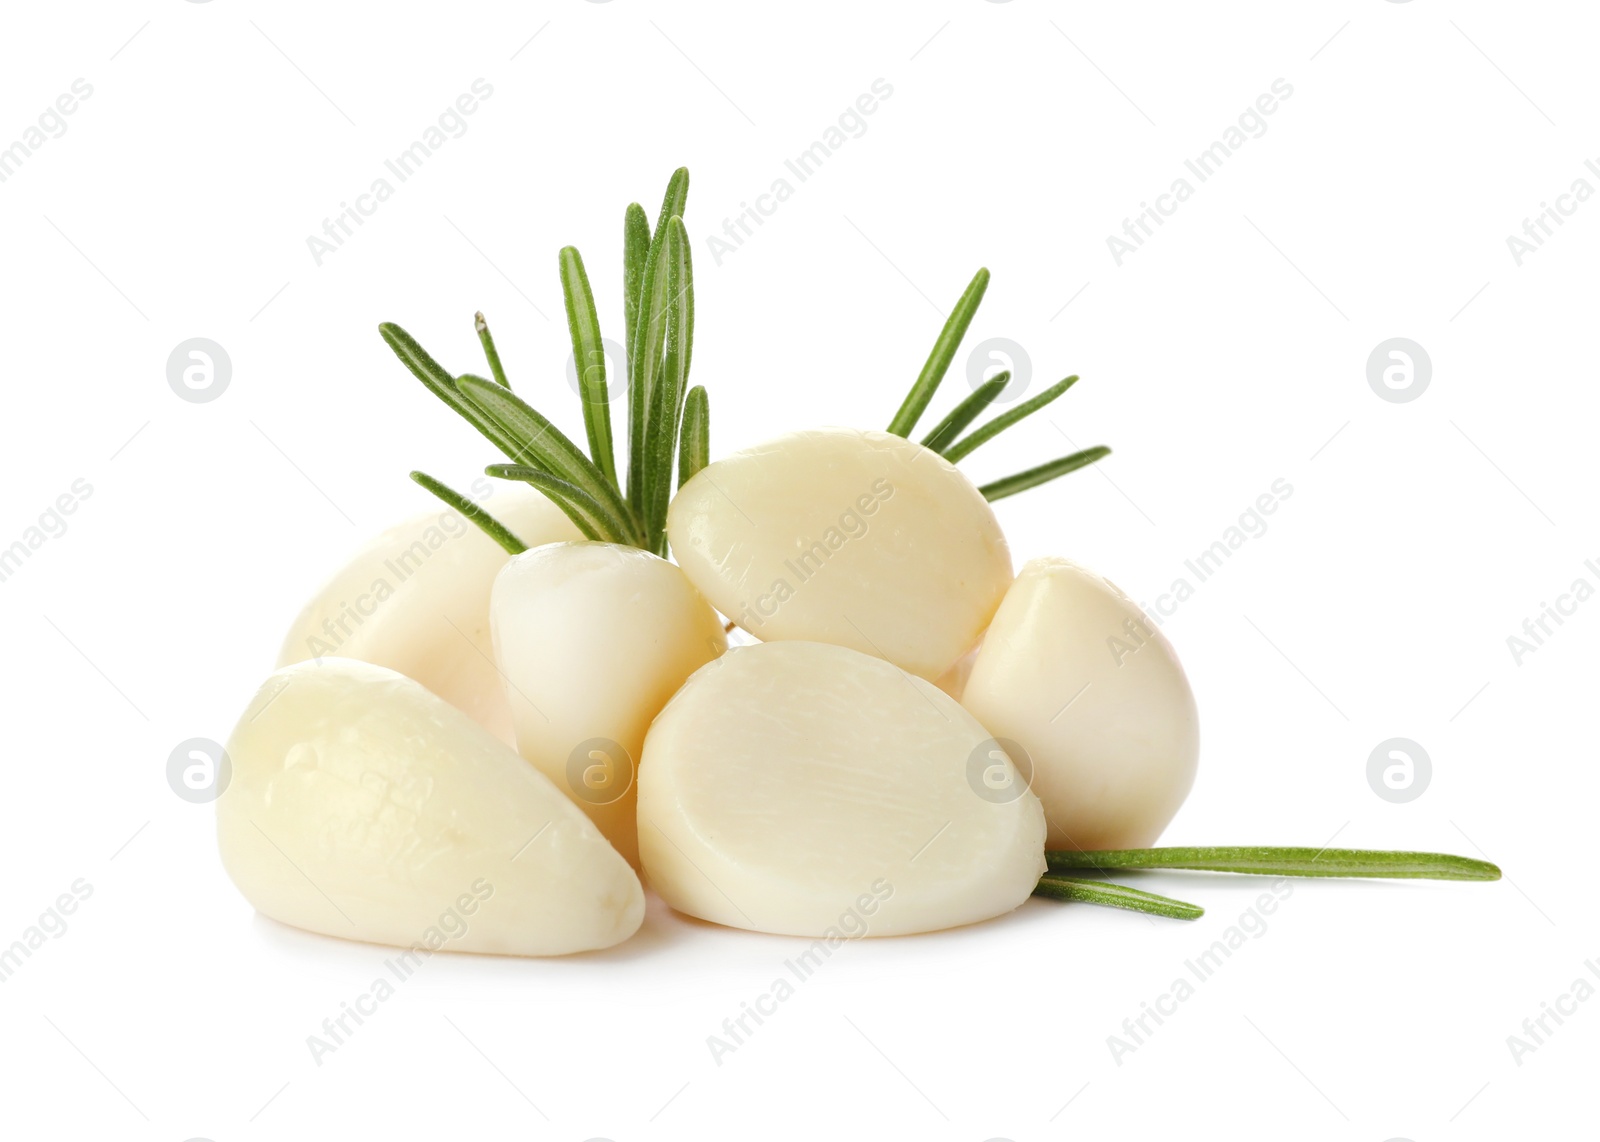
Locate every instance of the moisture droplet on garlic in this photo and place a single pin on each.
(860, 539)
(1076, 674)
(416, 599)
(363, 806)
(790, 784)
(593, 639)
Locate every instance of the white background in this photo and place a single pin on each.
(1230, 351)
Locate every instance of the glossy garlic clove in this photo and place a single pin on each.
(1076, 674)
(362, 805)
(416, 600)
(809, 789)
(860, 539)
(593, 639)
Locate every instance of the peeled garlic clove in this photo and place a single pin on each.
(361, 805)
(810, 790)
(860, 539)
(593, 639)
(1076, 674)
(416, 599)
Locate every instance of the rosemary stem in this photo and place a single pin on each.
(1110, 895)
(489, 351)
(1033, 477)
(955, 328)
(1280, 861)
(490, 526)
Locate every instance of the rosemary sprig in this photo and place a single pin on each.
(659, 311)
(544, 446)
(635, 250)
(646, 359)
(944, 349)
(589, 356)
(490, 353)
(1033, 477)
(592, 517)
(1005, 420)
(694, 449)
(1110, 895)
(943, 438)
(665, 415)
(492, 527)
(443, 385)
(1279, 861)
(1247, 859)
(946, 431)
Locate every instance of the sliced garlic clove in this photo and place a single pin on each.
(361, 805)
(861, 539)
(1076, 674)
(808, 789)
(593, 639)
(416, 599)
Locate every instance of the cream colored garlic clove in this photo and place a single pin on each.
(362, 805)
(861, 539)
(808, 789)
(593, 639)
(416, 599)
(1076, 674)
